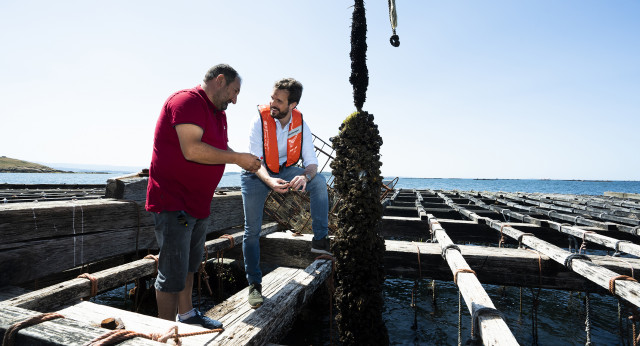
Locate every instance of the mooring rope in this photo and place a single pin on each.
(12, 331)
(612, 282)
(93, 280)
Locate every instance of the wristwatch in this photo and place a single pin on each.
(308, 176)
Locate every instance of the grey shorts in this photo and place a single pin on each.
(181, 240)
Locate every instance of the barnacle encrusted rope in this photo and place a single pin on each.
(12, 331)
(94, 282)
(393, 17)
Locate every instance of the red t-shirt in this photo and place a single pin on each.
(175, 183)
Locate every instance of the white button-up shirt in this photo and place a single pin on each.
(256, 146)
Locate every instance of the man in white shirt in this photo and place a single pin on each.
(280, 137)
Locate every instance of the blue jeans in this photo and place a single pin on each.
(254, 194)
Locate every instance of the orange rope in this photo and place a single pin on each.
(455, 274)
(233, 242)
(94, 282)
(612, 282)
(155, 258)
(117, 336)
(12, 331)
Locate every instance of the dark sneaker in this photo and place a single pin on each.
(255, 295)
(202, 320)
(321, 246)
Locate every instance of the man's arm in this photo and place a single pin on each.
(193, 149)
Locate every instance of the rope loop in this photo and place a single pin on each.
(94, 282)
(616, 247)
(464, 270)
(155, 258)
(568, 259)
(521, 236)
(476, 314)
(450, 246)
(612, 282)
(12, 331)
(230, 237)
(502, 240)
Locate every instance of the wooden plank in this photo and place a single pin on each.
(58, 332)
(73, 290)
(493, 329)
(93, 314)
(286, 291)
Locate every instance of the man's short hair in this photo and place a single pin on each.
(292, 86)
(229, 73)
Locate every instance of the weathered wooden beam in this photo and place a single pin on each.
(286, 291)
(57, 332)
(497, 266)
(72, 290)
(492, 328)
(40, 239)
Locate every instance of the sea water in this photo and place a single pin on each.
(561, 315)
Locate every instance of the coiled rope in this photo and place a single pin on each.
(12, 331)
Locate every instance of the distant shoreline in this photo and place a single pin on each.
(36, 171)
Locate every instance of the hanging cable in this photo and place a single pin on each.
(393, 17)
(587, 321)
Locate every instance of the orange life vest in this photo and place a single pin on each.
(270, 139)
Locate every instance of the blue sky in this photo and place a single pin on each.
(477, 89)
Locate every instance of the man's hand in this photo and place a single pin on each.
(248, 162)
(278, 185)
(299, 182)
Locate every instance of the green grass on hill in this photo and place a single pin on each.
(9, 165)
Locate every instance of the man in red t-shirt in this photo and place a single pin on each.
(189, 155)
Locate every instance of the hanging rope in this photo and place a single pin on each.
(536, 302)
(414, 293)
(587, 321)
(393, 17)
(583, 246)
(459, 317)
